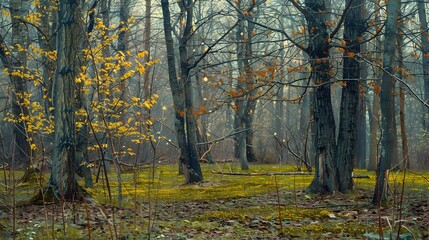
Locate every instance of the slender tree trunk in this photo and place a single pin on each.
(240, 103)
(203, 149)
(278, 121)
(362, 111)
(250, 82)
(147, 82)
(424, 36)
(405, 154)
(388, 153)
(124, 16)
(375, 116)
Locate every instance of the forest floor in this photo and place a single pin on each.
(156, 205)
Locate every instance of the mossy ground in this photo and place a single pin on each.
(157, 204)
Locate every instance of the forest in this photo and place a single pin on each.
(225, 119)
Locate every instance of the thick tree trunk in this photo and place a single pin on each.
(388, 153)
(347, 135)
(63, 181)
(325, 179)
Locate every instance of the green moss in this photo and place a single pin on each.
(317, 230)
(267, 213)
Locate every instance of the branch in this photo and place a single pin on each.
(269, 28)
(211, 46)
(399, 80)
(307, 165)
(340, 23)
(222, 138)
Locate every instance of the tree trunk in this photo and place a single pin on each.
(405, 155)
(240, 103)
(347, 135)
(278, 121)
(325, 179)
(362, 145)
(19, 9)
(250, 82)
(375, 116)
(63, 181)
(388, 153)
(424, 36)
(182, 93)
(176, 88)
(48, 27)
(203, 149)
(192, 165)
(148, 150)
(124, 16)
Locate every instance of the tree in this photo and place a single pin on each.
(63, 181)
(388, 152)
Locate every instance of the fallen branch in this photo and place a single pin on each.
(276, 173)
